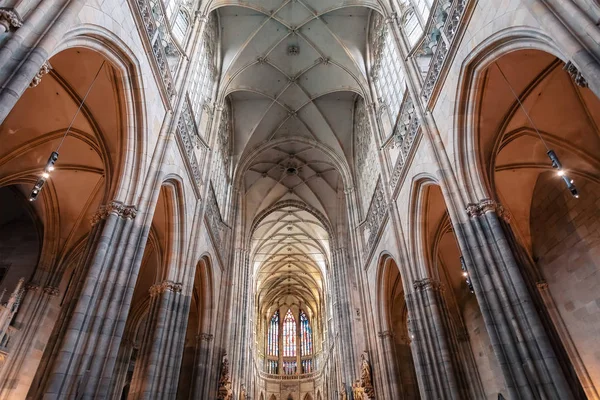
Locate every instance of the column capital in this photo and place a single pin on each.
(385, 334)
(117, 208)
(44, 69)
(9, 18)
(165, 286)
(428, 283)
(485, 206)
(542, 284)
(575, 74)
(204, 337)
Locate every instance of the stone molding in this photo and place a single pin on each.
(165, 286)
(44, 70)
(116, 208)
(428, 284)
(575, 74)
(9, 18)
(485, 206)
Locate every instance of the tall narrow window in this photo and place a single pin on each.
(203, 73)
(274, 335)
(412, 27)
(181, 26)
(289, 335)
(306, 335)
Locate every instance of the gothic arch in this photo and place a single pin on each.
(511, 166)
(128, 169)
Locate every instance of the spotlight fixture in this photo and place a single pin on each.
(561, 172)
(465, 273)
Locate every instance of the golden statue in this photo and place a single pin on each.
(358, 391)
(243, 392)
(366, 381)
(224, 392)
(343, 395)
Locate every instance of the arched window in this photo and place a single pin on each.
(274, 335)
(289, 335)
(306, 335)
(180, 28)
(170, 6)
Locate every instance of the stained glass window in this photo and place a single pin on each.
(289, 367)
(272, 367)
(307, 366)
(273, 345)
(289, 335)
(305, 334)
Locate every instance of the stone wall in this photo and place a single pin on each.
(566, 246)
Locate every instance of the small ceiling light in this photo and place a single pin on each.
(46, 175)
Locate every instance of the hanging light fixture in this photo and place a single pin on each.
(556, 164)
(37, 188)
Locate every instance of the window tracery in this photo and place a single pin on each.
(306, 335)
(289, 335)
(220, 176)
(273, 345)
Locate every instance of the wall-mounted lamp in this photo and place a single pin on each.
(465, 274)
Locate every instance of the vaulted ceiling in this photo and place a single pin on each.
(292, 70)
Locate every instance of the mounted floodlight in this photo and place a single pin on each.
(556, 164)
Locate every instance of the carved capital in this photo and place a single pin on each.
(575, 74)
(44, 69)
(427, 284)
(165, 286)
(542, 285)
(32, 287)
(116, 208)
(385, 334)
(205, 337)
(485, 206)
(9, 18)
(51, 291)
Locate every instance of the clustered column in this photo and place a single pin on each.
(519, 340)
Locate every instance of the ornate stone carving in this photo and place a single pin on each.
(224, 391)
(116, 208)
(358, 392)
(243, 395)
(190, 137)
(375, 216)
(447, 14)
(205, 337)
(404, 136)
(9, 18)
(165, 286)
(385, 334)
(44, 69)
(485, 206)
(427, 284)
(379, 31)
(575, 74)
(51, 291)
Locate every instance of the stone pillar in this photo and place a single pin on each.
(432, 347)
(83, 363)
(519, 340)
(35, 323)
(203, 357)
(155, 377)
(390, 367)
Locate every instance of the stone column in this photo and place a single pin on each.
(390, 367)
(34, 322)
(435, 356)
(83, 363)
(205, 349)
(520, 342)
(154, 378)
